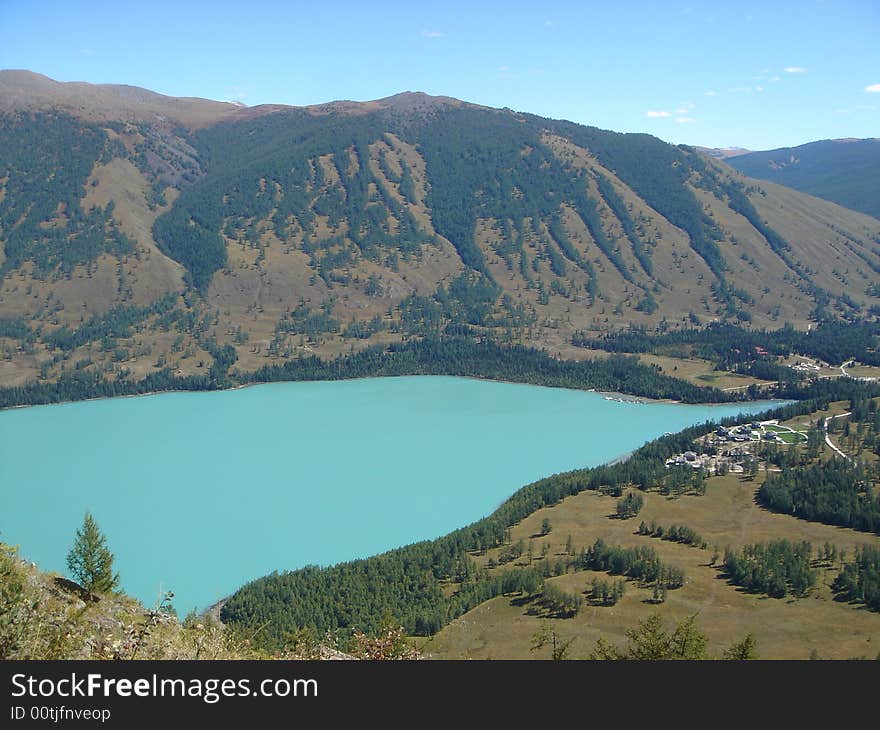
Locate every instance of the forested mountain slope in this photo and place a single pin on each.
(845, 171)
(140, 233)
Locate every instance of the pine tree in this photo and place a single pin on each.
(90, 560)
(742, 650)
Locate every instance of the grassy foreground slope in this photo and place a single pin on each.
(45, 616)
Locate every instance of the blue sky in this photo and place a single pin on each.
(752, 74)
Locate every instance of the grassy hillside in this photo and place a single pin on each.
(829, 620)
(726, 515)
(845, 171)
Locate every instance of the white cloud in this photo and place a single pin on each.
(685, 107)
(656, 114)
(775, 78)
(86, 52)
(432, 34)
(873, 88)
(759, 88)
(685, 120)
(795, 70)
(710, 93)
(549, 23)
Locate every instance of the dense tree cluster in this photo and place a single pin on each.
(82, 385)
(302, 320)
(835, 492)
(607, 593)
(560, 603)
(615, 202)
(450, 356)
(630, 505)
(15, 328)
(859, 581)
(639, 563)
(776, 568)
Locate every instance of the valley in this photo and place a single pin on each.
(152, 243)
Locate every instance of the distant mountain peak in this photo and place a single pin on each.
(844, 170)
(406, 99)
(24, 90)
(722, 153)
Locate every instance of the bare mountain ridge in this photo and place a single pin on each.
(26, 90)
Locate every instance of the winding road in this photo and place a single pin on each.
(828, 438)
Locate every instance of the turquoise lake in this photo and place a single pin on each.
(199, 493)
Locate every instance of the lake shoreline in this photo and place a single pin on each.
(619, 396)
(307, 472)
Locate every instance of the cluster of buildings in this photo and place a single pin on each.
(803, 366)
(747, 432)
(710, 464)
(727, 450)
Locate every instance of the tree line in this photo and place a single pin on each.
(674, 533)
(729, 346)
(456, 356)
(464, 356)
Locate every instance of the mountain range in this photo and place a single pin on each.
(845, 171)
(140, 232)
